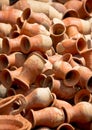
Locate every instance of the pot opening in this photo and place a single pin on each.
(81, 44)
(3, 62)
(25, 45)
(90, 84)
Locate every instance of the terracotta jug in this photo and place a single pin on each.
(35, 43)
(12, 59)
(12, 122)
(49, 117)
(72, 46)
(57, 33)
(5, 16)
(39, 98)
(63, 70)
(12, 105)
(11, 45)
(42, 128)
(32, 29)
(57, 86)
(8, 76)
(80, 113)
(79, 23)
(32, 67)
(33, 17)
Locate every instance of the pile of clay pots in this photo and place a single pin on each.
(46, 65)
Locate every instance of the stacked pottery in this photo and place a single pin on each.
(46, 65)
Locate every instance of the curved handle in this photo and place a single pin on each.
(19, 100)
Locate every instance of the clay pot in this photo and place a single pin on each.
(10, 45)
(39, 98)
(57, 33)
(12, 59)
(32, 67)
(87, 54)
(35, 43)
(83, 95)
(33, 29)
(34, 17)
(79, 23)
(12, 122)
(83, 6)
(65, 126)
(80, 113)
(8, 76)
(12, 105)
(49, 117)
(5, 16)
(85, 77)
(72, 46)
(57, 86)
(63, 70)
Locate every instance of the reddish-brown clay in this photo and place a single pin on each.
(10, 45)
(12, 122)
(39, 98)
(57, 86)
(35, 43)
(14, 59)
(7, 105)
(72, 46)
(5, 16)
(30, 29)
(49, 117)
(32, 67)
(63, 70)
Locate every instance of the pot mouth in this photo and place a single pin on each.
(21, 84)
(57, 29)
(26, 14)
(81, 45)
(72, 78)
(3, 61)
(5, 46)
(88, 7)
(6, 79)
(89, 84)
(25, 45)
(71, 13)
